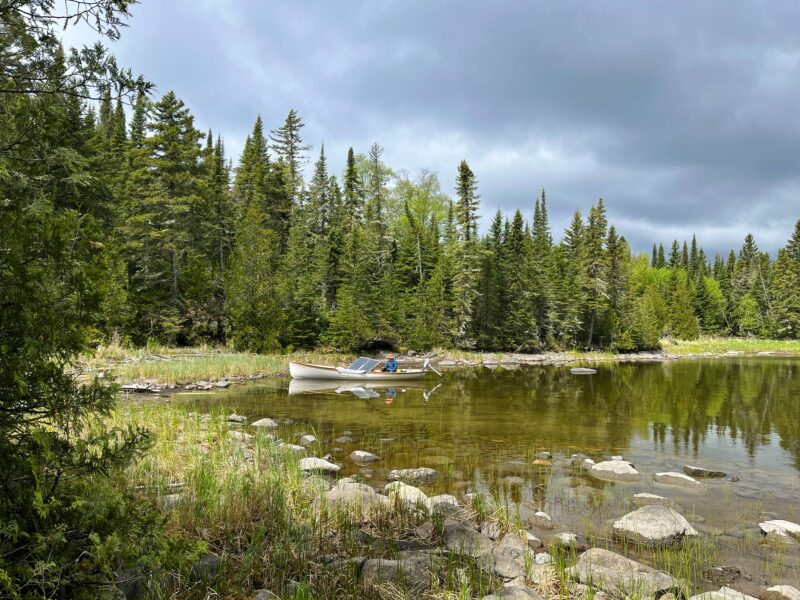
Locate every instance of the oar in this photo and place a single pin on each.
(427, 365)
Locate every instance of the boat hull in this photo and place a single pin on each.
(306, 371)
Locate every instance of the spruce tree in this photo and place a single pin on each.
(290, 149)
(539, 272)
(466, 257)
(595, 266)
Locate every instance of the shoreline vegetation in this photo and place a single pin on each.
(164, 365)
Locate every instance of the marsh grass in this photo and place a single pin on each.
(718, 345)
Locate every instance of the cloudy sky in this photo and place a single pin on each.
(683, 116)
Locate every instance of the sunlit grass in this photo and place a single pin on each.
(716, 345)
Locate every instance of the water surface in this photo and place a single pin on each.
(482, 428)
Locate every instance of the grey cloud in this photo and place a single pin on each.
(683, 116)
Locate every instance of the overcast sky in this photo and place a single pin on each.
(682, 115)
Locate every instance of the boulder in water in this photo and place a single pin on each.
(419, 476)
(655, 525)
(614, 470)
(620, 576)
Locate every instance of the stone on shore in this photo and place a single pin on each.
(307, 440)
(234, 418)
(354, 497)
(240, 436)
(294, 448)
(462, 539)
(406, 494)
(311, 463)
(533, 541)
(412, 570)
(508, 558)
(781, 528)
(693, 471)
(724, 593)
(266, 422)
(363, 457)
(343, 439)
(514, 592)
(674, 478)
(655, 525)
(419, 476)
(620, 576)
(442, 503)
(614, 470)
(781, 592)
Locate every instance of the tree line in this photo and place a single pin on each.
(198, 250)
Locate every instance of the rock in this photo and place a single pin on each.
(462, 539)
(234, 418)
(206, 569)
(307, 440)
(701, 472)
(724, 593)
(363, 457)
(646, 499)
(413, 570)
(222, 384)
(780, 527)
(490, 530)
(781, 592)
(655, 525)
(615, 470)
(673, 478)
(617, 457)
(411, 353)
(722, 575)
(533, 541)
(442, 503)
(406, 494)
(344, 439)
(419, 476)
(543, 558)
(317, 464)
(508, 558)
(424, 531)
(511, 481)
(543, 455)
(240, 436)
(514, 592)
(584, 592)
(294, 449)
(541, 520)
(620, 576)
(514, 467)
(266, 423)
(265, 595)
(566, 540)
(354, 497)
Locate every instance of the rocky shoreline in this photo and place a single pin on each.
(444, 536)
(446, 362)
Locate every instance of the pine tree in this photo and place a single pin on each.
(520, 327)
(785, 289)
(675, 258)
(571, 274)
(618, 290)
(683, 321)
(662, 262)
(654, 257)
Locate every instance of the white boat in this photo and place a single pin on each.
(329, 386)
(360, 370)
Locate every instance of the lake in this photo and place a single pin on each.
(482, 430)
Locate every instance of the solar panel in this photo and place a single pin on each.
(364, 364)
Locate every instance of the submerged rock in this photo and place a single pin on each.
(615, 470)
(724, 593)
(533, 541)
(541, 520)
(781, 592)
(674, 478)
(311, 463)
(343, 439)
(655, 525)
(361, 456)
(647, 499)
(266, 423)
(780, 527)
(565, 540)
(418, 476)
(701, 472)
(620, 576)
